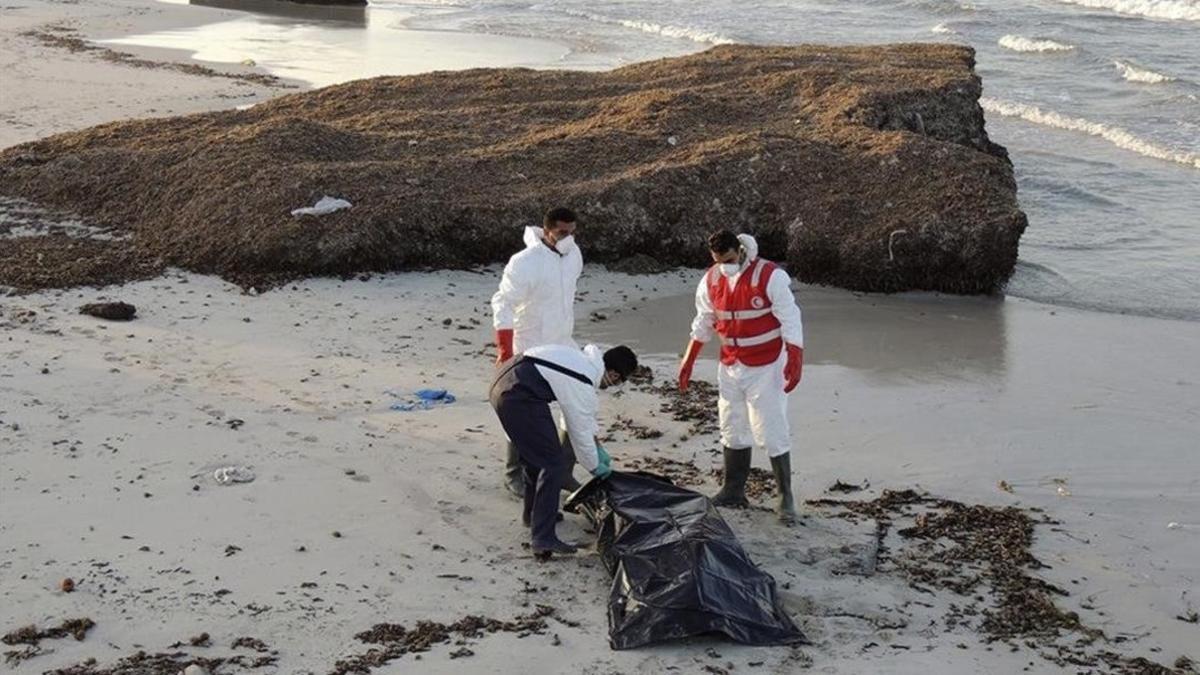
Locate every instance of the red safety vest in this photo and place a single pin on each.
(749, 331)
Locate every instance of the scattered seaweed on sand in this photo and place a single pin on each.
(396, 640)
(172, 663)
(251, 643)
(979, 551)
(632, 429)
(679, 473)
(14, 657)
(30, 635)
(64, 37)
(139, 663)
(697, 406)
(846, 488)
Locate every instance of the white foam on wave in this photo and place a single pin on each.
(943, 29)
(1023, 44)
(693, 34)
(1115, 135)
(665, 30)
(1134, 74)
(1175, 10)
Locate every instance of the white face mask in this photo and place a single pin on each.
(730, 270)
(565, 244)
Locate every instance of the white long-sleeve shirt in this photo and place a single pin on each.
(536, 298)
(578, 401)
(779, 292)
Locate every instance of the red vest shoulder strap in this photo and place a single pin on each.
(762, 273)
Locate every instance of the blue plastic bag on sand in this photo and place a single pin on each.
(422, 399)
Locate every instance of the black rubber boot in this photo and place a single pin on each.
(785, 507)
(737, 470)
(514, 473)
(569, 482)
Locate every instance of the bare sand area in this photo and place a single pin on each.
(359, 514)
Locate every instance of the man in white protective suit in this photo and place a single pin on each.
(535, 306)
(748, 303)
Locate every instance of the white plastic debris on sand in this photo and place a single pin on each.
(229, 475)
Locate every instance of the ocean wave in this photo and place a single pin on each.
(1023, 44)
(943, 29)
(1134, 74)
(1176, 10)
(1115, 135)
(693, 34)
(665, 30)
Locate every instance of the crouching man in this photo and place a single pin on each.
(748, 303)
(521, 396)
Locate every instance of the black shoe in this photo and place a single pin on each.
(543, 552)
(737, 470)
(785, 506)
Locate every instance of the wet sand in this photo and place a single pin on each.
(326, 45)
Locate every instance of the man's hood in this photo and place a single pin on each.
(750, 244)
(533, 237)
(595, 355)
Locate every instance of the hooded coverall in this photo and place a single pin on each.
(536, 299)
(753, 404)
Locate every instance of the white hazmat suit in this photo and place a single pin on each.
(753, 404)
(536, 298)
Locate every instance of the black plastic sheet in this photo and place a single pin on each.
(678, 570)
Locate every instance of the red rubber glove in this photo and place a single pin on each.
(504, 345)
(689, 361)
(794, 368)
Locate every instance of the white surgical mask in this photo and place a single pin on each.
(730, 270)
(564, 245)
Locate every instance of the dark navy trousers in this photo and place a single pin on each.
(521, 398)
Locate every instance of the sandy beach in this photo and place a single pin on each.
(358, 514)
(110, 452)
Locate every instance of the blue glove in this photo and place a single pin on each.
(602, 471)
(604, 463)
